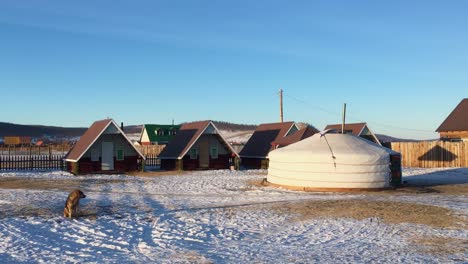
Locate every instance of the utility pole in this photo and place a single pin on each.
(281, 104)
(344, 119)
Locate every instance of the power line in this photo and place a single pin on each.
(352, 117)
(306, 103)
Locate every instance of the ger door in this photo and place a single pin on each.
(107, 162)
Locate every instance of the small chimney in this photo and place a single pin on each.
(121, 126)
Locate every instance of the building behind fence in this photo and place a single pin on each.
(432, 154)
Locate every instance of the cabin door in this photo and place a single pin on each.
(107, 162)
(204, 154)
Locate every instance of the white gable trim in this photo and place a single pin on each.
(373, 135)
(92, 143)
(193, 143)
(225, 141)
(100, 134)
(362, 129)
(203, 131)
(128, 140)
(293, 125)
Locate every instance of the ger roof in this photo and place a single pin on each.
(457, 120)
(259, 144)
(187, 135)
(90, 136)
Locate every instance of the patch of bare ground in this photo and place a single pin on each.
(47, 184)
(436, 245)
(392, 212)
(156, 173)
(456, 189)
(257, 183)
(389, 212)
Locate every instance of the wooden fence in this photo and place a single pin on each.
(36, 162)
(152, 161)
(150, 150)
(432, 154)
(51, 157)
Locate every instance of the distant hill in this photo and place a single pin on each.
(36, 131)
(221, 125)
(385, 139)
(134, 129)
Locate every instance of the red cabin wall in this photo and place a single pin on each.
(254, 163)
(86, 166)
(222, 162)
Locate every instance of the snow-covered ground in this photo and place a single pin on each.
(207, 217)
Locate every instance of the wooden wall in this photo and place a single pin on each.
(432, 154)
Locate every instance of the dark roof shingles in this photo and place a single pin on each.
(356, 128)
(87, 139)
(259, 143)
(296, 137)
(186, 136)
(457, 120)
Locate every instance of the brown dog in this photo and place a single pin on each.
(72, 203)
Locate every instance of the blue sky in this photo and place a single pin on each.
(400, 66)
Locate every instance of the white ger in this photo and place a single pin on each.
(334, 162)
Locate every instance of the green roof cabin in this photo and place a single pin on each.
(157, 134)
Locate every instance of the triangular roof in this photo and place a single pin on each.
(303, 133)
(90, 136)
(186, 137)
(259, 144)
(152, 128)
(356, 129)
(457, 120)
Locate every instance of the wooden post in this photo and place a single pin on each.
(281, 104)
(344, 119)
(74, 168)
(179, 164)
(50, 157)
(31, 164)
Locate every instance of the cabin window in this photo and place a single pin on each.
(214, 152)
(120, 154)
(193, 153)
(94, 154)
(160, 132)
